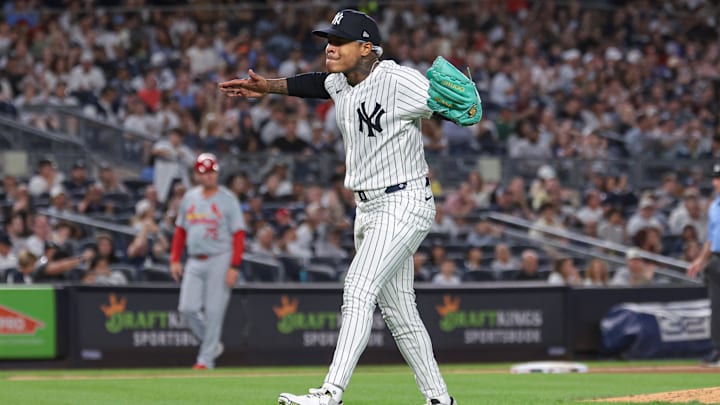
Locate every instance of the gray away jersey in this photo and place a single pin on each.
(210, 222)
(379, 119)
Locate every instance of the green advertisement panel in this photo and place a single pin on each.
(27, 323)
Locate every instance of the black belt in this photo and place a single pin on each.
(390, 189)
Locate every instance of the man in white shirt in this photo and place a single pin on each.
(8, 259)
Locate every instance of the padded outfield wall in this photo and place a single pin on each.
(266, 324)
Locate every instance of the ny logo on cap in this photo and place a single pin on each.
(338, 17)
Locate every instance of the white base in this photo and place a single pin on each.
(549, 367)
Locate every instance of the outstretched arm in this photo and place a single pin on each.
(306, 85)
(253, 86)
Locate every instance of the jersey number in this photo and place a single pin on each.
(211, 233)
(368, 119)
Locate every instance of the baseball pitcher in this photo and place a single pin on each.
(211, 223)
(379, 106)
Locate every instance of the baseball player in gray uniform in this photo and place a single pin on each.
(379, 106)
(211, 223)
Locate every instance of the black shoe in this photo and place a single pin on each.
(437, 401)
(712, 359)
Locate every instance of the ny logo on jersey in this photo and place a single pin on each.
(368, 119)
(336, 20)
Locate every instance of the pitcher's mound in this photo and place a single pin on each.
(701, 395)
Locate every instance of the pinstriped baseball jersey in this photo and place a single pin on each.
(380, 122)
(210, 222)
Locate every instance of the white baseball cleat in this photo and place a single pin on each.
(316, 397)
(437, 402)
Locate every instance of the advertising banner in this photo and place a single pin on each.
(526, 322)
(303, 321)
(142, 321)
(658, 330)
(27, 323)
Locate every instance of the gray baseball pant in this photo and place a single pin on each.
(203, 288)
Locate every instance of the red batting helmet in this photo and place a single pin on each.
(206, 162)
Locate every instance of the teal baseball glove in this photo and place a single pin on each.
(452, 94)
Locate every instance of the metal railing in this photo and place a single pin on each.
(110, 143)
(38, 144)
(590, 247)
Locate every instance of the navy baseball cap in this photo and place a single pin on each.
(353, 25)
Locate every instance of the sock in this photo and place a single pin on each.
(336, 391)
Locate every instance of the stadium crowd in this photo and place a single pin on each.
(558, 81)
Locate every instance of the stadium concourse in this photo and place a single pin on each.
(599, 119)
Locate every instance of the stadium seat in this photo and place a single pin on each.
(265, 270)
(130, 272)
(155, 274)
(319, 272)
(509, 274)
(292, 266)
(478, 275)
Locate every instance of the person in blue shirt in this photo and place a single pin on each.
(709, 259)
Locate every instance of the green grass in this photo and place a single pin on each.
(371, 385)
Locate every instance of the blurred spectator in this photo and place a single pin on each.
(438, 254)
(313, 229)
(41, 232)
(289, 142)
(100, 273)
(644, 218)
(649, 239)
(444, 224)
(447, 276)
(669, 192)
(86, 79)
(547, 219)
(59, 203)
(529, 266)
(689, 212)
(596, 274)
(240, 185)
(287, 245)
(8, 259)
(592, 211)
(503, 260)
(173, 162)
(106, 107)
(149, 243)
(78, 181)
(277, 185)
(564, 273)
(690, 251)
(483, 234)
(92, 202)
(482, 191)
(25, 271)
(330, 246)
(636, 272)
(264, 243)
(421, 270)
(461, 202)
(16, 229)
(46, 177)
(612, 229)
(473, 260)
(58, 263)
(108, 181)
